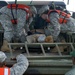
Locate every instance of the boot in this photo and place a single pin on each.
(61, 48)
(49, 39)
(5, 47)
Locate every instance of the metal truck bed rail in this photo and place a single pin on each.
(44, 62)
(41, 46)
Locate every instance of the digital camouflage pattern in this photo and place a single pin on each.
(54, 27)
(21, 66)
(12, 30)
(69, 26)
(72, 71)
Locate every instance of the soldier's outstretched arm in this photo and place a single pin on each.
(54, 20)
(21, 66)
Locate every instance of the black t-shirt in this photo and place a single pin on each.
(39, 23)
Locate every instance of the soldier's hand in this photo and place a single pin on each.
(13, 58)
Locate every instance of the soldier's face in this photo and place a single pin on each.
(30, 14)
(44, 16)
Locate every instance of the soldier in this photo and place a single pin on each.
(72, 71)
(13, 18)
(54, 26)
(38, 26)
(17, 69)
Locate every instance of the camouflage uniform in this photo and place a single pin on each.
(11, 30)
(38, 24)
(54, 27)
(72, 71)
(18, 30)
(15, 31)
(69, 26)
(20, 67)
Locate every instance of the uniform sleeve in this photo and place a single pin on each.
(71, 72)
(68, 73)
(55, 25)
(69, 26)
(21, 66)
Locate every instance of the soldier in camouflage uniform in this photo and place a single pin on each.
(67, 24)
(14, 30)
(18, 68)
(54, 27)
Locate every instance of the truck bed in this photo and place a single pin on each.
(41, 60)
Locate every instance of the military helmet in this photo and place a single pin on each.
(43, 9)
(72, 53)
(33, 10)
(2, 56)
